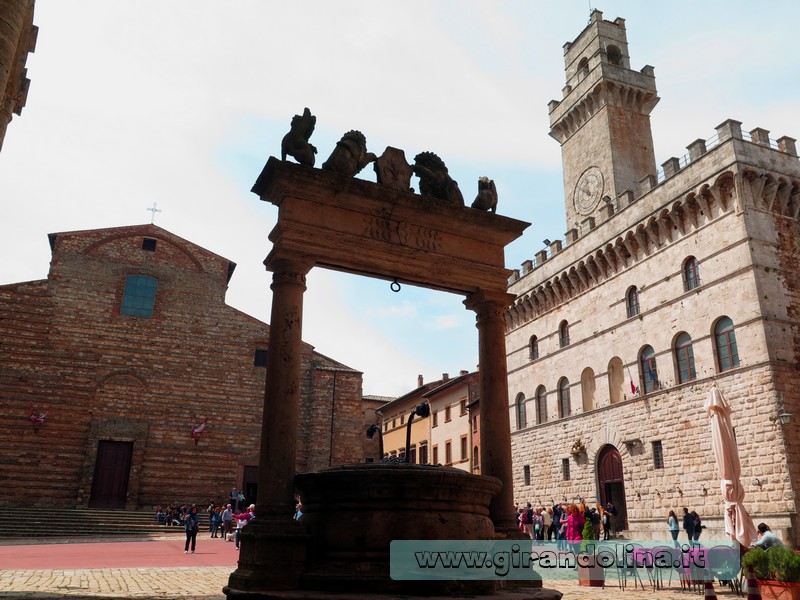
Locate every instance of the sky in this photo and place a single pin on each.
(180, 103)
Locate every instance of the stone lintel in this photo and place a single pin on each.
(366, 228)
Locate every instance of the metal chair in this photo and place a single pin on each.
(724, 563)
(627, 567)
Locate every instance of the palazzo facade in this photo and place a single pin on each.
(670, 280)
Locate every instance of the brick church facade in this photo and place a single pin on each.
(127, 382)
(671, 280)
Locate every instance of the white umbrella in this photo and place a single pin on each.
(738, 524)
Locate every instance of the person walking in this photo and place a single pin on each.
(191, 525)
(688, 524)
(698, 526)
(674, 529)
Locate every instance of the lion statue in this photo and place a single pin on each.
(350, 155)
(487, 195)
(434, 179)
(295, 143)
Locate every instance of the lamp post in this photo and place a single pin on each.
(423, 410)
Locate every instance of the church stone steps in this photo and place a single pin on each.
(59, 522)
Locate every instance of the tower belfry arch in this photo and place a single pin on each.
(330, 220)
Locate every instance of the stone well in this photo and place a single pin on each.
(352, 513)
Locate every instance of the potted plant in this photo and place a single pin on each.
(591, 575)
(777, 571)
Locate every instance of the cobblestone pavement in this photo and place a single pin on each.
(196, 583)
(167, 583)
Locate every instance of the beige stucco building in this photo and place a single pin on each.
(448, 436)
(669, 280)
(451, 422)
(394, 425)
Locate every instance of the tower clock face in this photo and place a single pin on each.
(588, 190)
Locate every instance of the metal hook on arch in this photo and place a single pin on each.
(395, 286)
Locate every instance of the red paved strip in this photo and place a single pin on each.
(109, 555)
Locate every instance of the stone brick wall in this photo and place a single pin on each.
(65, 349)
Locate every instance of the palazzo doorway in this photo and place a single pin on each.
(611, 484)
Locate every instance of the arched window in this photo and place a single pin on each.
(691, 273)
(563, 398)
(583, 68)
(587, 389)
(541, 405)
(684, 358)
(614, 55)
(521, 417)
(727, 352)
(534, 347)
(616, 380)
(647, 367)
(563, 334)
(632, 301)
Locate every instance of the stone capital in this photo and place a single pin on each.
(289, 269)
(489, 305)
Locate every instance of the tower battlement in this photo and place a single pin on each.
(757, 140)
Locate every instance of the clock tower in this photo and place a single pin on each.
(603, 121)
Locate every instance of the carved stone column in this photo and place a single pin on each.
(495, 426)
(272, 555)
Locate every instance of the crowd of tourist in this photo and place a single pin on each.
(563, 522)
(225, 520)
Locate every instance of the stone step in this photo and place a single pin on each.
(59, 522)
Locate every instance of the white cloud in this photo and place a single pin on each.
(181, 103)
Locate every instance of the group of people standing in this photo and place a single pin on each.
(221, 520)
(691, 524)
(226, 519)
(564, 522)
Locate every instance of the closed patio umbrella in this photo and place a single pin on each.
(738, 524)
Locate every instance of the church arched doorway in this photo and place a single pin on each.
(611, 484)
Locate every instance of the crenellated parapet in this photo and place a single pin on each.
(771, 191)
(704, 203)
